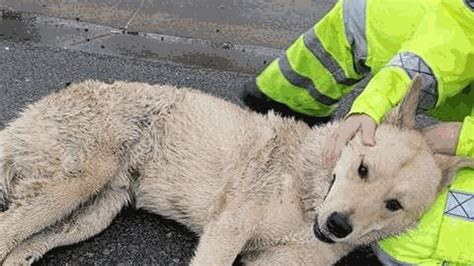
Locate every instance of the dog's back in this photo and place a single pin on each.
(62, 130)
(209, 153)
(179, 157)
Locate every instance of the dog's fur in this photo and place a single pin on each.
(247, 183)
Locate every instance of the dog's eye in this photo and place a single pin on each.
(393, 205)
(363, 170)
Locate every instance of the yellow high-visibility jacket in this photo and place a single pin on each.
(393, 40)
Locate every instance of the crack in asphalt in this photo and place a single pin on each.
(134, 15)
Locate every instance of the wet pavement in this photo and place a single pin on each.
(94, 38)
(250, 22)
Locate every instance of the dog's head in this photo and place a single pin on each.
(383, 190)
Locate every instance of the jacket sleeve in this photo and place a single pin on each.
(441, 49)
(318, 68)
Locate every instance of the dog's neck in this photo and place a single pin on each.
(315, 176)
(312, 178)
(316, 180)
(298, 149)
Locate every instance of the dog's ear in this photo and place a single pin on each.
(450, 165)
(403, 116)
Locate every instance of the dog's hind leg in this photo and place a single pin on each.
(89, 220)
(54, 199)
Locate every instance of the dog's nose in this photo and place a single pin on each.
(339, 225)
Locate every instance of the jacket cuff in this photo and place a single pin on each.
(384, 91)
(372, 107)
(465, 145)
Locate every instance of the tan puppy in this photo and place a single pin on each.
(247, 183)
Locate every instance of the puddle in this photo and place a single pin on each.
(14, 27)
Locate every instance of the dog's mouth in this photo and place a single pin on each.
(320, 235)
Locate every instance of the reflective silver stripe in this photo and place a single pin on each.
(303, 82)
(460, 205)
(313, 44)
(354, 13)
(413, 64)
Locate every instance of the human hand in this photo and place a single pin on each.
(443, 137)
(345, 132)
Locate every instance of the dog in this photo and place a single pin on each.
(247, 183)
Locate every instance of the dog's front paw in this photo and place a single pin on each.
(21, 257)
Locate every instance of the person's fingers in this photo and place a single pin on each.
(368, 132)
(338, 140)
(344, 133)
(343, 139)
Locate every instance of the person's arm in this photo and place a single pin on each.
(440, 50)
(465, 145)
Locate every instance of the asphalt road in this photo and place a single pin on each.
(266, 23)
(31, 71)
